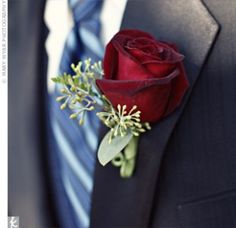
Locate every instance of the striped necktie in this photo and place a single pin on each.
(76, 145)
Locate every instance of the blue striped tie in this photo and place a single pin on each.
(76, 145)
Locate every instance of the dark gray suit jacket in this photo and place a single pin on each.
(186, 166)
(28, 192)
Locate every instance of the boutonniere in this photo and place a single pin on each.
(141, 81)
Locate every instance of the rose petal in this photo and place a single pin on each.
(143, 56)
(142, 93)
(159, 69)
(129, 69)
(179, 87)
(130, 87)
(110, 61)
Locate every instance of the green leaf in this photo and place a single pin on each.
(107, 151)
(56, 79)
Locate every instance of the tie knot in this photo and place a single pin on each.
(84, 10)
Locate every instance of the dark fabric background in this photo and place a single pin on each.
(29, 195)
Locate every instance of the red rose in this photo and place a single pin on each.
(142, 71)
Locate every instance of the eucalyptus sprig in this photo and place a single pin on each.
(121, 122)
(126, 127)
(80, 94)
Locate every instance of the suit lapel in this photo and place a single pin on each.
(127, 203)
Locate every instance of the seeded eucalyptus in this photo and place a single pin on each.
(121, 122)
(80, 94)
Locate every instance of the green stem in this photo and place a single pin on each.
(129, 158)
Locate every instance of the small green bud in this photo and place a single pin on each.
(142, 130)
(81, 121)
(63, 106)
(73, 66)
(135, 133)
(73, 116)
(91, 108)
(147, 125)
(63, 90)
(58, 99)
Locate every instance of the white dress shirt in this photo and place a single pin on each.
(59, 21)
